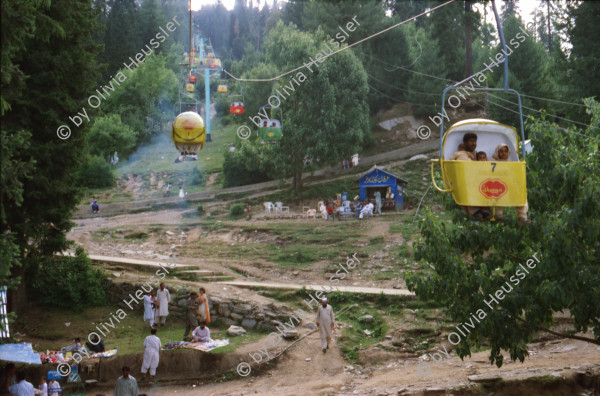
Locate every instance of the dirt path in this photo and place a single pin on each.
(305, 370)
(300, 285)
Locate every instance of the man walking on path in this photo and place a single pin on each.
(164, 298)
(190, 316)
(152, 347)
(126, 384)
(325, 322)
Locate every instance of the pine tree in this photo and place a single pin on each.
(57, 86)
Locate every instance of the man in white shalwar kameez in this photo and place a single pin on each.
(148, 309)
(164, 298)
(126, 384)
(325, 322)
(152, 347)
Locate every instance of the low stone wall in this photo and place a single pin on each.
(249, 315)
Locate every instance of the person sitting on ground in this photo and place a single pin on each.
(76, 347)
(481, 156)
(358, 208)
(201, 333)
(95, 207)
(368, 210)
(96, 345)
(502, 153)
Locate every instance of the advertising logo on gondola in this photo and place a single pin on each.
(189, 124)
(493, 188)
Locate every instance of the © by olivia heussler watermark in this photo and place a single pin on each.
(64, 131)
(244, 368)
(244, 132)
(424, 132)
(480, 314)
(64, 368)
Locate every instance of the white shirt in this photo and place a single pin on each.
(23, 388)
(44, 388)
(52, 386)
(152, 343)
(148, 311)
(201, 335)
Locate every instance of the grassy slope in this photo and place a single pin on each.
(156, 158)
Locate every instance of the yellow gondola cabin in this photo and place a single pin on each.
(188, 133)
(483, 183)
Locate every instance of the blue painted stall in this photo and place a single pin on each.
(378, 179)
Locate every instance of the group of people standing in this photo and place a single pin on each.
(467, 151)
(13, 383)
(156, 306)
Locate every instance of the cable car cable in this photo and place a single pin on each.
(347, 47)
(415, 61)
(399, 101)
(553, 100)
(402, 89)
(563, 129)
(539, 111)
(408, 70)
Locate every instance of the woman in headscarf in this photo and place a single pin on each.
(502, 153)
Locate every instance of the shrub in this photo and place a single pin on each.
(197, 178)
(236, 210)
(95, 173)
(200, 209)
(67, 282)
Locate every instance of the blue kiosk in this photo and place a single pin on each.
(379, 180)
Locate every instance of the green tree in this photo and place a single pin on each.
(471, 260)
(141, 98)
(529, 66)
(326, 116)
(54, 87)
(252, 162)
(95, 172)
(109, 134)
(583, 74)
(122, 35)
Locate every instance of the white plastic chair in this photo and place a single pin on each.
(280, 208)
(269, 207)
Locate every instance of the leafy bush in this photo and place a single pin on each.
(236, 210)
(197, 178)
(95, 173)
(237, 173)
(200, 209)
(67, 282)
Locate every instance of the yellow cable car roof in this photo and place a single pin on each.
(489, 135)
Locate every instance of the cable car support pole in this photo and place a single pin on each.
(207, 106)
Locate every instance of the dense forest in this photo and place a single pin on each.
(56, 53)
